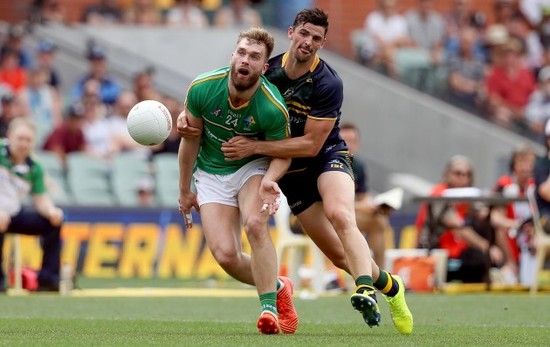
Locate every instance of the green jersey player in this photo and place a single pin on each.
(238, 100)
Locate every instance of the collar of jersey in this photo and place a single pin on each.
(311, 68)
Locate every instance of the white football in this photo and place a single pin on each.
(149, 122)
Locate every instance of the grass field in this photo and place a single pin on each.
(216, 317)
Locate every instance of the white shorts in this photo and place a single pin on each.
(224, 189)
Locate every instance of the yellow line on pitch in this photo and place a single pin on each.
(164, 292)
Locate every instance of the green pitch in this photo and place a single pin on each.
(191, 320)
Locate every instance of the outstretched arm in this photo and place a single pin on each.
(269, 189)
(187, 154)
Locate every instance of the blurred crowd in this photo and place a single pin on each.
(92, 116)
(191, 14)
(496, 65)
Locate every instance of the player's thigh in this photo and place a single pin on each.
(317, 226)
(221, 227)
(337, 191)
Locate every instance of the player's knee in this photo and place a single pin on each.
(340, 218)
(226, 258)
(254, 227)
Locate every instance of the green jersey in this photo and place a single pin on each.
(18, 181)
(263, 117)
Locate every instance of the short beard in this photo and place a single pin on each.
(243, 85)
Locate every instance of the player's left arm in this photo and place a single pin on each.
(46, 208)
(41, 200)
(269, 191)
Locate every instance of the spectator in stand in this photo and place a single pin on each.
(144, 85)
(504, 11)
(143, 12)
(537, 111)
(7, 112)
(146, 192)
(542, 177)
(172, 143)
(495, 37)
(459, 17)
(542, 195)
(68, 137)
(11, 73)
(22, 176)
(515, 184)
(509, 84)
(41, 102)
(105, 13)
(186, 14)
(466, 73)
(372, 219)
(508, 14)
(465, 230)
(426, 30)
(45, 58)
(237, 14)
(120, 138)
(48, 12)
(96, 128)
(386, 32)
(16, 35)
(543, 28)
(109, 87)
(534, 10)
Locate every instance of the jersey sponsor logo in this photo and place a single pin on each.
(216, 112)
(336, 164)
(248, 122)
(297, 120)
(288, 93)
(329, 148)
(297, 203)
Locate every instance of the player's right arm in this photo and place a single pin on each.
(315, 134)
(187, 155)
(183, 127)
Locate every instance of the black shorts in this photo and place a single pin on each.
(300, 186)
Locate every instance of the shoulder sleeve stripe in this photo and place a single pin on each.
(275, 101)
(298, 105)
(213, 76)
(322, 118)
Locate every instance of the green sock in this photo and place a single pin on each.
(268, 301)
(364, 281)
(386, 284)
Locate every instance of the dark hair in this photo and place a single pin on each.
(260, 36)
(315, 16)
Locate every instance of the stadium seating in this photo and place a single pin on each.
(43, 129)
(294, 246)
(166, 171)
(542, 240)
(54, 176)
(88, 180)
(127, 171)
